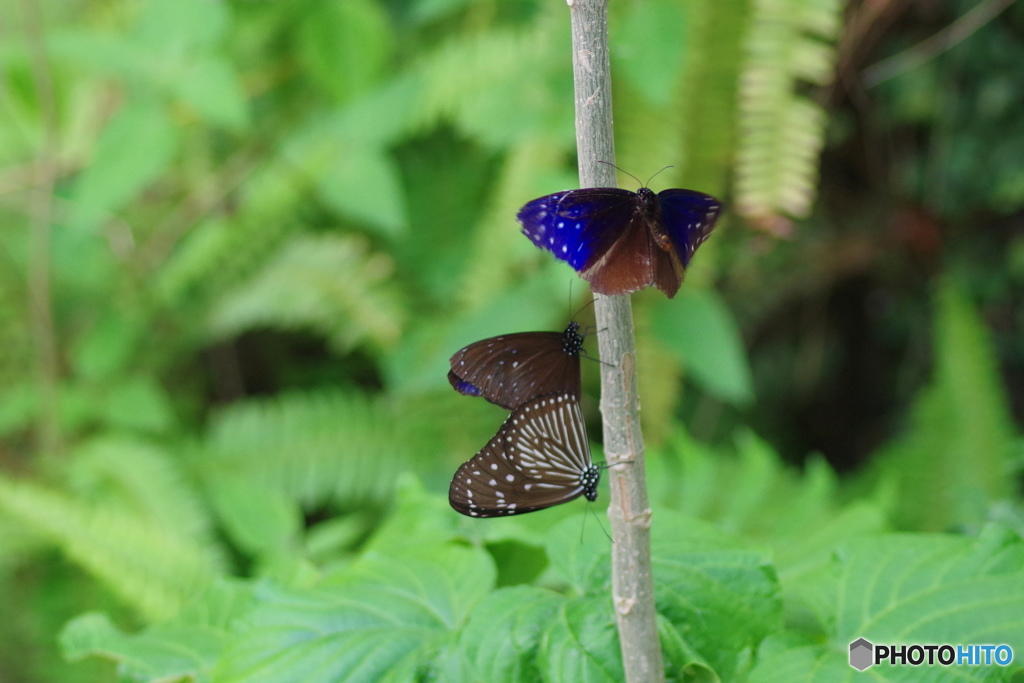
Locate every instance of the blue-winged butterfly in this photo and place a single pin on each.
(622, 241)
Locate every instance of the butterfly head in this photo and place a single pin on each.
(589, 481)
(647, 199)
(572, 340)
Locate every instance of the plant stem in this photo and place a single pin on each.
(629, 511)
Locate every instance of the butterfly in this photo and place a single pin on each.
(622, 241)
(540, 457)
(510, 369)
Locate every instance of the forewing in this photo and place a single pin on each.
(577, 226)
(510, 369)
(688, 217)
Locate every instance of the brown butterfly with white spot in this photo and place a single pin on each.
(540, 457)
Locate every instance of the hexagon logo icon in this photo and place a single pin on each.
(861, 654)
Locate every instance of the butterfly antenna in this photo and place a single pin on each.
(655, 175)
(626, 172)
(581, 309)
(583, 352)
(590, 508)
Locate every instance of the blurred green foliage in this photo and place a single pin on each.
(258, 231)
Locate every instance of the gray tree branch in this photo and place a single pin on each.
(629, 511)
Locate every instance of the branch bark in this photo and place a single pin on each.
(629, 511)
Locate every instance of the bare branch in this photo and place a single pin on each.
(629, 511)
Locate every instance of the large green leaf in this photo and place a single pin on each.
(904, 589)
(187, 646)
(700, 330)
(382, 619)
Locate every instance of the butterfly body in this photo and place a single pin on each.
(510, 369)
(621, 241)
(540, 457)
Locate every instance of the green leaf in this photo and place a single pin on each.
(138, 403)
(211, 86)
(142, 478)
(581, 643)
(725, 598)
(363, 182)
(503, 635)
(700, 330)
(345, 46)
(353, 173)
(380, 619)
(650, 46)
(258, 519)
(134, 149)
(148, 565)
(584, 562)
(174, 27)
(912, 588)
(316, 448)
(106, 348)
(187, 646)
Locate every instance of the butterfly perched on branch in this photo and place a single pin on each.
(512, 368)
(622, 241)
(540, 457)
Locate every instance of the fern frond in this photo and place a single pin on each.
(955, 460)
(781, 132)
(471, 80)
(708, 94)
(220, 253)
(141, 478)
(317, 448)
(333, 285)
(147, 565)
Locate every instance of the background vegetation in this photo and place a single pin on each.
(239, 241)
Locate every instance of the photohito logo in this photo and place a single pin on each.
(864, 653)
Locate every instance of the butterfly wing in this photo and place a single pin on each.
(632, 262)
(578, 226)
(688, 217)
(540, 457)
(510, 369)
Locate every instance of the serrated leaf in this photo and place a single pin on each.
(584, 562)
(380, 619)
(504, 633)
(700, 330)
(581, 643)
(912, 588)
(725, 598)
